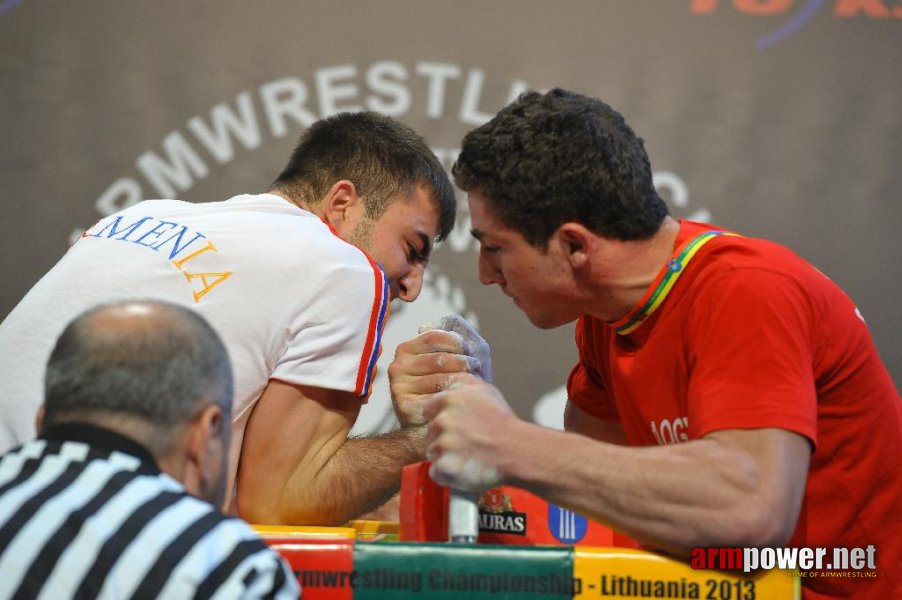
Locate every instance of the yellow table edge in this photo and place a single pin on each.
(607, 571)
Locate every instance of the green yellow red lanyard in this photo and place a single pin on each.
(664, 282)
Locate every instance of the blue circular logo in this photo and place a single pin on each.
(565, 525)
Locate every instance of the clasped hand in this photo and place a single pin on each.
(441, 378)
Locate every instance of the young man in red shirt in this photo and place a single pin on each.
(727, 393)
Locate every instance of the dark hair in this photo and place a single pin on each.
(147, 360)
(380, 156)
(547, 159)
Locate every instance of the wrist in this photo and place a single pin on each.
(415, 436)
(524, 445)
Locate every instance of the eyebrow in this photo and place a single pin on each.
(477, 233)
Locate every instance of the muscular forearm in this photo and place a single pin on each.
(361, 475)
(702, 493)
(298, 466)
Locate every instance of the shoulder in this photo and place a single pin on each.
(732, 264)
(340, 263)
(226, 557)
(273, 220)
(755, 290)
(157, 205)
(730, 250)
(216, 534)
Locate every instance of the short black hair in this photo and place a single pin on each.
(379, 155)
(547, 159)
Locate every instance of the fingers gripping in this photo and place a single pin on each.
(456, 436)
(471, 343)
(464, 473)
(434, 362)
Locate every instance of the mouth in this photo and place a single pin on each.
(511, 296)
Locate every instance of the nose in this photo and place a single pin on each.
(488, 273)
(411, 284)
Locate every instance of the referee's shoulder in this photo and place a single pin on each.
(247, 566)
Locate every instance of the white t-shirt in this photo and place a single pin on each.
(290, 299)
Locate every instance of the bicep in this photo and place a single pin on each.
(579, 421)
(291, 433)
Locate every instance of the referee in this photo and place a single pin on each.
(118, 496)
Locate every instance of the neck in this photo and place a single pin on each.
(627, 269)
(299, 202)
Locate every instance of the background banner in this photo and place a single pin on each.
(777, 118)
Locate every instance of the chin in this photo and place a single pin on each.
(546, 321)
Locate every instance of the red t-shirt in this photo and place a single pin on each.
(751, 336)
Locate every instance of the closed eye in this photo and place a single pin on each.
(483, 246)
(415, 255)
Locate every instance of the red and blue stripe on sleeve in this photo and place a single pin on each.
(373, 346)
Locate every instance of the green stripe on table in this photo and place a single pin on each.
(395, 570)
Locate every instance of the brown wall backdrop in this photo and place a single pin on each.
(778, 118)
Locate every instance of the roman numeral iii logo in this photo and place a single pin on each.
(566, 526)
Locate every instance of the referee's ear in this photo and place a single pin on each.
(206, 452)
(39, 419)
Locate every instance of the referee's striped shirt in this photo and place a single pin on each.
(86, 513)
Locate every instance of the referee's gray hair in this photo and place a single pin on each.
(148, 360)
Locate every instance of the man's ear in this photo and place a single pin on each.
(575, 241)
(39, 418)
(206, 428)
(204, 455)
(342, 207)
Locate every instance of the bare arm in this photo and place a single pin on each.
(298, 467)
(731, 488)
